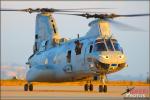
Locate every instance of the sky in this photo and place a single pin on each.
(18, 29)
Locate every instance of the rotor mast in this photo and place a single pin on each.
(100, 28)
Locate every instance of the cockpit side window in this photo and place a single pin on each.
(78, 47)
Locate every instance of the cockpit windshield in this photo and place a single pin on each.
(100, 46)
(117, 46)
(107, 45)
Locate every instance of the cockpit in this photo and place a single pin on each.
(107, 45)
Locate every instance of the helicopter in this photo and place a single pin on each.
(128, 90)
(91, 57)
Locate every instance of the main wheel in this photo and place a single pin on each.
(105, 88)
(100, 88)
(30, 87)
(86, 87)
(91, 87)
(26, 87)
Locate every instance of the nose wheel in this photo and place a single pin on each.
(103, 87)
(28, 87)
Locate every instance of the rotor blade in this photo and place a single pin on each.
(123, 26)
(74, 11)
(69, 11)
(30, 10)
(71, 14)
(112, 15)
(68, 14)
(87, 15)
(133, 15)
(11, 9)
(86, 8)
(104, 15)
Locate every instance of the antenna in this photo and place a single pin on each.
(78, 36)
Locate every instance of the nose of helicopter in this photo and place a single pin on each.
(111, 61)
(111, 57)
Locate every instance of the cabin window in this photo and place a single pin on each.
(36, 36)
(35, 49)
(46, 45)
(91, 47)
(78, 47)
(68, 56)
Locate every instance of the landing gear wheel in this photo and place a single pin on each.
(86, 87)
(105, 88)
(91, 87)
(100, 88)
(30, 87)
(26, 87)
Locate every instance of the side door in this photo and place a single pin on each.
(68, 59)
(78, 52)
(88, 58)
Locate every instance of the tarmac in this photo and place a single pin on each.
(65, 93)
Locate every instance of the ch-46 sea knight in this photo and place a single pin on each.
(57, 59)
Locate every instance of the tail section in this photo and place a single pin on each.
(46, 35)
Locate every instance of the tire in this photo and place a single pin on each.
(95, 78)
(91, 87)
(105, 88)
(30, 87)
(26, 87)
(100, 88)
(86, 87)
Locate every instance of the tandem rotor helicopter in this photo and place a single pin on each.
(91, 57)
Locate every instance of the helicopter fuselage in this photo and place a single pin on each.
(64, 63)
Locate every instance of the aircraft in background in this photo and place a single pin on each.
(57, 59)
